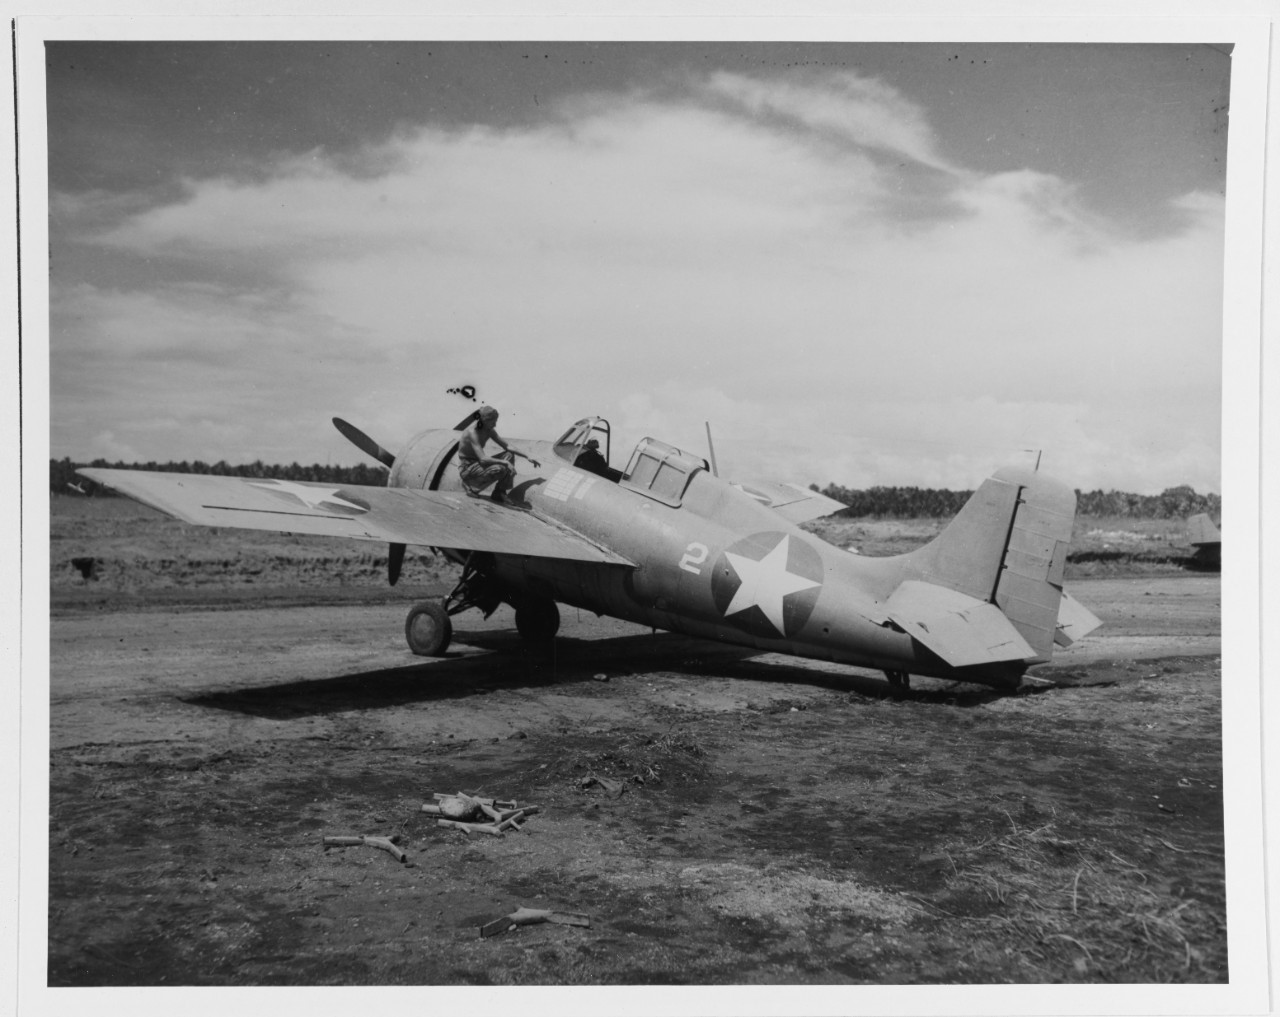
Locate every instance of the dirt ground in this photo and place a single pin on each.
(778, 821)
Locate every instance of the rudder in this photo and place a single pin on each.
(1030, 588)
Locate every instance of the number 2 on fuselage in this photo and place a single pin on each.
(694, 555)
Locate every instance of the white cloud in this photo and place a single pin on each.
(844, 106)
(667, 263)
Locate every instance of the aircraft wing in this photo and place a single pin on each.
(389, 515)
(794, 503)
(960, 629)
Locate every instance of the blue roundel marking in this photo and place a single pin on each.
(766, 584)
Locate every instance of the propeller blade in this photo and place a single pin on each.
(467, 421)
(364, 443)
(395, 559)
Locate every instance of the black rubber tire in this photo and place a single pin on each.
(428, 629)
(537, 620)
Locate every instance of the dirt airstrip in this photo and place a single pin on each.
(778, 820)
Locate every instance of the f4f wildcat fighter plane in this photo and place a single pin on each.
(669, 544)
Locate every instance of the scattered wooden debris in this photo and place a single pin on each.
(532, 916)
(495, 802)
(469, 828)
(387, 844)
(467, 812)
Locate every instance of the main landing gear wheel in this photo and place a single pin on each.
(428, 629)
(537, 621)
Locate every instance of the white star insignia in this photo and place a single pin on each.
(312, 497)
(764, 583)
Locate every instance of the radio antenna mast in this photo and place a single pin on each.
(715, 471)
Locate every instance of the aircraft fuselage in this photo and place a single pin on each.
(716, 564)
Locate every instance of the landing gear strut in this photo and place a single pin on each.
(475, 588)
(428, 627)
(899, 682)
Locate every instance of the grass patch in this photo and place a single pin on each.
(1088, 911)
(638, 758)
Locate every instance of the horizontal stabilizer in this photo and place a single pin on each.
(1074, 620)
(394, 515)
(794, 503)
(960, 629)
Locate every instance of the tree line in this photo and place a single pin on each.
(892, 502)
(922, 502)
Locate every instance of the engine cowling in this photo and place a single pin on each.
(425, 462)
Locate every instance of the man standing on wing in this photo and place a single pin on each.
(478, 470)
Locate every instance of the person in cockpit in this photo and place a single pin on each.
(591, 460)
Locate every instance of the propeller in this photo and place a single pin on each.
(395, 559)
(364, 443)
(353, 434)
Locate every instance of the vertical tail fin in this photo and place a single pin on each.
(1008, 546)
(1201, 531)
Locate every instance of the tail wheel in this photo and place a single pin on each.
(428, 629)
(537, 621)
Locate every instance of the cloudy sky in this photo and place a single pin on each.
(862, 263)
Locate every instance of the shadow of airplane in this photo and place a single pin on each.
(693, 658)
(511, 663)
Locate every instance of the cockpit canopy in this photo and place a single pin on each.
(661, 471)
(570, 445)
(656, 469)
